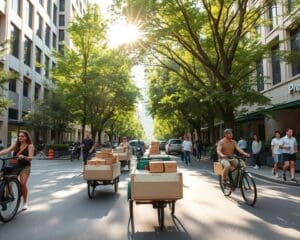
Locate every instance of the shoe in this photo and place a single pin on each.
(256, 167)
(284, 177)
(277, 175)
(294, 180)
(25, 207)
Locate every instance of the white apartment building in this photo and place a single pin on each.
(277, 79)
(35, 28)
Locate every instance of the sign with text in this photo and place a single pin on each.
(294, 87)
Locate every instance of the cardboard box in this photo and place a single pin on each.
(103, 154)
(96, 162)
(106, 150)
(218, 168)
(102, 172)
(170, 166)
(156, 167)
(122, 156)
(156, 186)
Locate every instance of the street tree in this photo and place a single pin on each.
(209, 43)
(74, 72)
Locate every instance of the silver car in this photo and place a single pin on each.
(174, 146)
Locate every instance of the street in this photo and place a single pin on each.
(59, 208)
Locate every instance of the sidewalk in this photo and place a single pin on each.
(265, 172)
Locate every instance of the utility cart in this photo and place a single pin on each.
(158, 189)
(101, 175)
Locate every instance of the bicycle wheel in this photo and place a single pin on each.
(248, 189)
(91, 189)
(226, 189)
(116, 184)
(172, 207)
(10, 199)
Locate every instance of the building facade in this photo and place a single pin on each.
(277, 78)
(34, 29)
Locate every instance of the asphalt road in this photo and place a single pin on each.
(59, 208)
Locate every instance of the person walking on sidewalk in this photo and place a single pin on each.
(187, 149)
(256, 148)
(289, 148)
(276, 152)
(87, 147)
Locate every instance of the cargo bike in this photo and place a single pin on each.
(158, 189)
(96, 175)
(123, 157)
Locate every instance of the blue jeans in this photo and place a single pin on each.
(187, 156)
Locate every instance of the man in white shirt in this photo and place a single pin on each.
(242, 144)
(276, 152)
(187, 147)
(289, 147)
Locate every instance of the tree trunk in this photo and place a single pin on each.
(228, 117)
(99, 135)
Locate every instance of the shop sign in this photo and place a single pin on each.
(294, 87)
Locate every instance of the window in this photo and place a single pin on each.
(53, 65)
(15, 4)
(47, 35)
(54, 41)
(61, 35)
(276, 73)
(12, 85)
(25, 88)
(292, 4)
(54, 14)
(273, 15)
(47, 61)
(61, 20)
(28, 13)
(295, 48)
(37, 89)
(39, 24)
(13, 114)
(27, 51)
(49, 3)
(38, 59)
(260, 76)
(61, 49)
(62, 5)
(15, 37)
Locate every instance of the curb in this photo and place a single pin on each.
(274, 179)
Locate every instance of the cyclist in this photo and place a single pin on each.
(124, 144)
(23, 149)
(225, 149)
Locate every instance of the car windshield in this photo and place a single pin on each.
(176, 141)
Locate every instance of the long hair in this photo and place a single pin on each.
(18, 143)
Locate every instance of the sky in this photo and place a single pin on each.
(138, 77)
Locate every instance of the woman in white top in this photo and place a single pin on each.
(276, 152)
(256, 148)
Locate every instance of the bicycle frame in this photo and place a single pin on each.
(235, 176)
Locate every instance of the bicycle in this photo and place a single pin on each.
(240, 178)
(10, 192)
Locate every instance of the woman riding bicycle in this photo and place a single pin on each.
(225, 150)
(23, 149)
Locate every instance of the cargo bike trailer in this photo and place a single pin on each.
(101, 175)
(163, 194)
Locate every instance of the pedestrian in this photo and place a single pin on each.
(187, 149)
(289, 147)
(276, 152)
(88, 146)
(199, 148)
(256, 149)
(242, 144)
(23, 150)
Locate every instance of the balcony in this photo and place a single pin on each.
(26, 104)
(14, 97)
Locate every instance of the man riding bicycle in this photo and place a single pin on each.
(225, 150)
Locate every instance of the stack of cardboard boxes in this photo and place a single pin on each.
(154, 149)
(163, 166)
(123, 156)
(103, 167)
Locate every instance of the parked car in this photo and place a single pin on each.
(174, 146)
(133, 144)
(162, 145)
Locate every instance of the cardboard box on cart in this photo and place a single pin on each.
(156, 186)
(102, 172)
